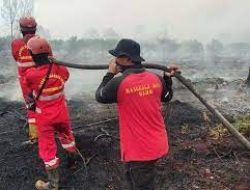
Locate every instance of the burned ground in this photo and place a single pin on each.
(196, 160)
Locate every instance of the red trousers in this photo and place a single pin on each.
(30, 114)
(54, 120)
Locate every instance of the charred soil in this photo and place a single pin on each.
(196, 160)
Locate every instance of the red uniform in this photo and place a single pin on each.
(141, 123)
(138, 94)
(51, 112)
(24, 62)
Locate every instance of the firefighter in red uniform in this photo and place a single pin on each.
(46, 82)
(24, 63)
(138, 93)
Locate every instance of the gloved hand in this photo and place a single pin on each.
(113, 68)
(31, 106)
(30, 102)
(172, 69)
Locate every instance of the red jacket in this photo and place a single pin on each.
(22, 55)
(139, 94)
(53, 91)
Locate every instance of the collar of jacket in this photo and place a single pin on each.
(27, 37)
(135, 69)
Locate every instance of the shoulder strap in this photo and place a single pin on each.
(45, 81)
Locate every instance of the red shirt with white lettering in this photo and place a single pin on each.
(138, 93)
(142, 129)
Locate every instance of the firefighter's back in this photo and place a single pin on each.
(21, 55)
(51, 102)
(141, 121)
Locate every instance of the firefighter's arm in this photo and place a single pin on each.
(107, 90)
(66, 76)
(64, 72)
(30, 99)
(167, 91)
(27, 82)
(14, 50)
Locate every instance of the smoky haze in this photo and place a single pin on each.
(208, 38)
(198, 61)
(181, 19)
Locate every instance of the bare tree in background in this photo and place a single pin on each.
(11, 10)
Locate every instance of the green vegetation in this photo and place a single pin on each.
(242, 124)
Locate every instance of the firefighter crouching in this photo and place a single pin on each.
(46, 82)
(24, 62)
(139, 94)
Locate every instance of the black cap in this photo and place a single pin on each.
(129, 48)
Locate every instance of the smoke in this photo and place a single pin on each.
(11, 91)
(189, 19)
(83, 83)
(80, 84)
(197, 61)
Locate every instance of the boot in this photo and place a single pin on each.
(32, 133)
(53, 181)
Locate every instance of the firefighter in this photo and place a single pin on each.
(46, 82)
(138, 93)
(24, 63)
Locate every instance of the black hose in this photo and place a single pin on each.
(185, 82)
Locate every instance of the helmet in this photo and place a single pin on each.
(27, 24)
(38, 45)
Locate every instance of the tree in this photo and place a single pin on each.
(42, 31)
(191, 47)
(110, 33)
(91, 33)
(11, 10)
(215, 47)
(168, 47)
(139, 32)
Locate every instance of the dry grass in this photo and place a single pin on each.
(242, 124)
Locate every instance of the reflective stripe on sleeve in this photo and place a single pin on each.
(25, 64)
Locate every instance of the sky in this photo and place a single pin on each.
(203, 20)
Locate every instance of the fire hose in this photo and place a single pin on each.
(185, 82)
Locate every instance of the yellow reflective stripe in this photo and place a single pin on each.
(21, 50)
(52, 76)
(52, 89)
(25, 57)
(52, 97)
